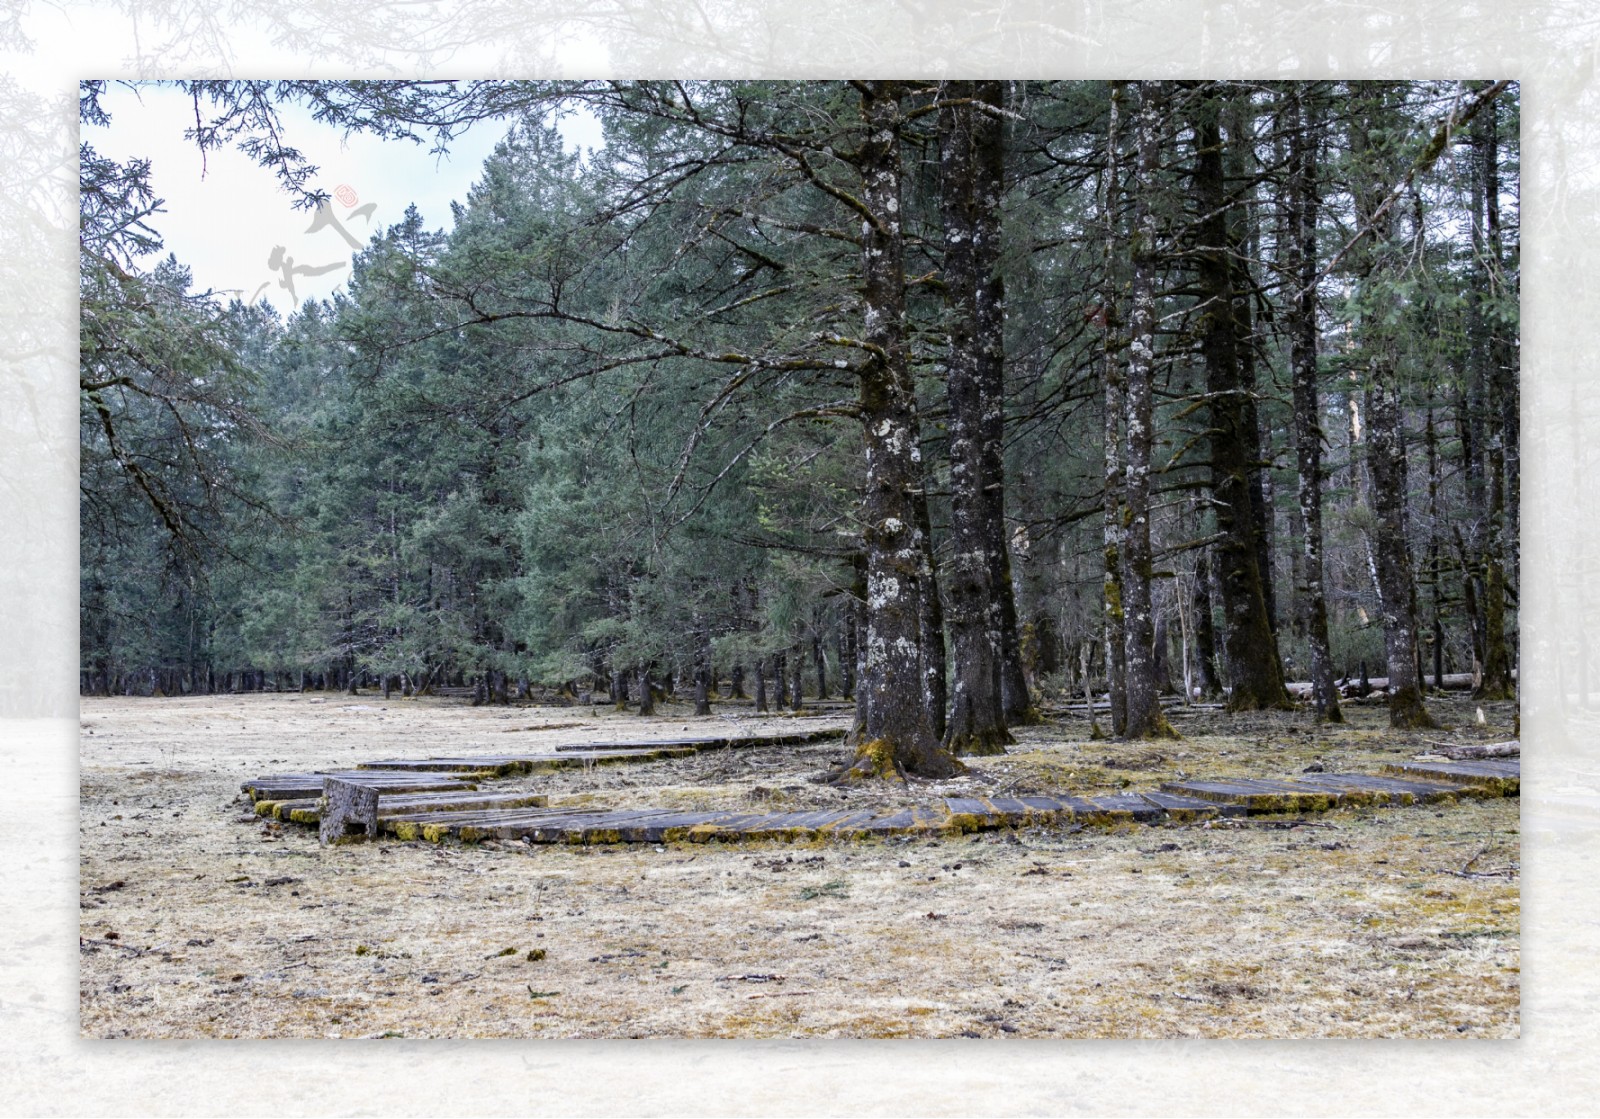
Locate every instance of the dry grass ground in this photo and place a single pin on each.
(199, 920)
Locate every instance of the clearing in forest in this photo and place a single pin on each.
(202, 919)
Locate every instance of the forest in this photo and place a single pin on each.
(961, 399)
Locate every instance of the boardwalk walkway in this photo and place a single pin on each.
(440, 798)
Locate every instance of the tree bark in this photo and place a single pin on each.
(1145, 718)
(1112, 522)
(1255, 673)
(1498, 386)
(1205, 633)
(647, 694)
(935, 664)
(795, 701)
(761, 685)
(1301, 266)
(897, 736)
(1386, 459)
(977, 719)
(1387, 465)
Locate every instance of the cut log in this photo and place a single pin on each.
(350, 810)
(1512, 749)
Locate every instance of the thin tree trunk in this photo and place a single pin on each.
(1112, 521)
(647, 694)
(1145, 717)
(795, 701)
(935, 665)
(1302, 314)
(1386, 435)
(1497, 385)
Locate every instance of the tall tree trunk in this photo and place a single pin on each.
(1435, 570)
(1387, 463)
(1302, 314)
(1386, 459)
(989, 193)
(1145, 717)
(1498, 385)
(977, 718)
(1255, 672)
(1244, 245)
(897, 736)
(1112, 522)
(761, 684)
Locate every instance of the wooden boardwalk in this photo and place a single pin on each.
(437, 798)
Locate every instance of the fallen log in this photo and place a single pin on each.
(1512, 749)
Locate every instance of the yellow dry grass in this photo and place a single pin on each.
(200, 920)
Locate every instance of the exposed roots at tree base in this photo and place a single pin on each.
(1238, 703)
(978, 744)
(875, 761)
(1158, 728)
(1029, 716)
(1406, 711)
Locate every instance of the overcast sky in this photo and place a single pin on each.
(232, 223)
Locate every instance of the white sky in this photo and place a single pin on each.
(226, 219)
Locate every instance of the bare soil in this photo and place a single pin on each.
(200, 920)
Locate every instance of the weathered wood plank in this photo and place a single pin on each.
(1257, 795)
(1502, 778)
(302, 786)
(1186, 808)
(1362, 788)
(1119, 808)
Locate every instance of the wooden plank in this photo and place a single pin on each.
(446, 802)
(847, 823)
(1186, 808)
(669, 828)
(1120, 808)
(1257, 796)
(1011, 810)
(973, 813)
(907, 821)
(656, 744)
(1501, 778)
(1362, 788)
(301, 786)
(1050, 808)
(435, 826)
